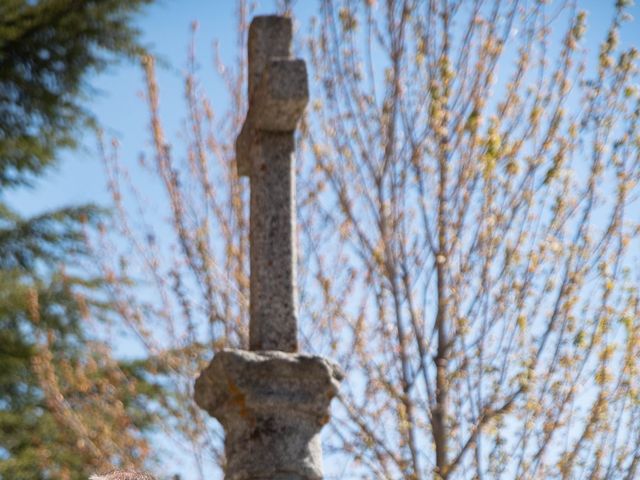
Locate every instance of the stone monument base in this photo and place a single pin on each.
(272, 406)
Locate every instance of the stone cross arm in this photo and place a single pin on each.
(278, 87)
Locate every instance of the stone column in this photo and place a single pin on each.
(271, 401)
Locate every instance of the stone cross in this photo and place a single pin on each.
(271, 401)
(278, 94)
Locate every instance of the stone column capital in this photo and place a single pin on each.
(272, 406)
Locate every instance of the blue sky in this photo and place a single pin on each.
(120, 108)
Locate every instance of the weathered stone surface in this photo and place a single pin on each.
(272, 406)
(269, 37)
(277, 106)
(281, 97)
(278, 94)
(276, 83)
(271, 402)
(273, 298)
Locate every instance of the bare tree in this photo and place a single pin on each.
(468, 213)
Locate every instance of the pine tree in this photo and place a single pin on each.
(47, 48)
(67, 408)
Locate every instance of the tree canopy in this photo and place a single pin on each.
(67, 407)
(468, 216)
(47, 50)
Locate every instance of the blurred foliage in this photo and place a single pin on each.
(67, 407)
(467, 190)
(47, 48)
